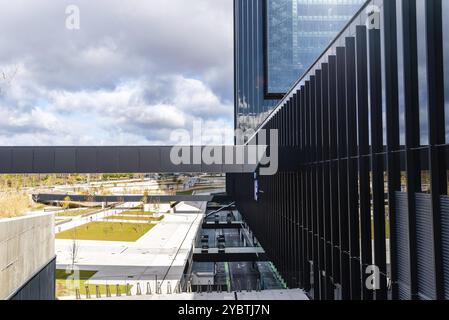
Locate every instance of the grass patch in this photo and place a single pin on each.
(66, 288)
(130, 218)
(107, 231)
(184, 193)
(38, 207)
(137, 213)
(83, 275)
(76, 213)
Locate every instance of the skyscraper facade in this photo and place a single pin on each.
(275, 42)
(362, 191)
(297, 33)
(252, 104)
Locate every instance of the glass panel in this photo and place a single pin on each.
(298, 32)
(446, 62)
(379, 4)
(422, 71)
(238, 61)
(249, 61)
(246, 58)
(401, 94)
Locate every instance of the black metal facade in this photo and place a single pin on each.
(252, 101)
(117, 159)
(366, 127)
(41, 286)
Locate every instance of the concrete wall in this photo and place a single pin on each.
(40, 287)
(27, 246)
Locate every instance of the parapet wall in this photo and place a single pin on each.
(27, 245)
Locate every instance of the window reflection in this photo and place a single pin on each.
(251, 105)
(400, 55)
(422, 71)
(298, 32)
(446, 62)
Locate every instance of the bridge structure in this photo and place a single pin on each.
(117, 159)
(50, 197)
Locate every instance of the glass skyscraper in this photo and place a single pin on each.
(363, 145)
(275, 42)
(298, 32)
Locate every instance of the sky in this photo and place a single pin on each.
(133, 72)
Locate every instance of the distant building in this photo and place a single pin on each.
(297, 33)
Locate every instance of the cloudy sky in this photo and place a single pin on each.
(135, 71)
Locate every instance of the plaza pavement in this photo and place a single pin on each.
(265, 295)
(162, 252)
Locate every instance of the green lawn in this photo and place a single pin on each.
(38, 206)
(142, 218)
(137, 213)
(66, 288)
(76, 213)
(107, 231)
(184, 193)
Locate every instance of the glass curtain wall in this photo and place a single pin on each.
(366, 181)
(297, 33)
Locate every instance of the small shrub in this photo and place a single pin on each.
(13, 205)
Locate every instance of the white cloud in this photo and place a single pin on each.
(134, 72)
(134, 112)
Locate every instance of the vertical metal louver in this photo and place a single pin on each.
(403, 246)
(424, 247)
(445, 241)
(375, 65)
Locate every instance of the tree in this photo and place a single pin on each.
(66, 203)
(145, 198)
(90, 198)
(74, 250)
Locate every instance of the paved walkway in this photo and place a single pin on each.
(80, 220)
(266, 295)
(162, 252)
